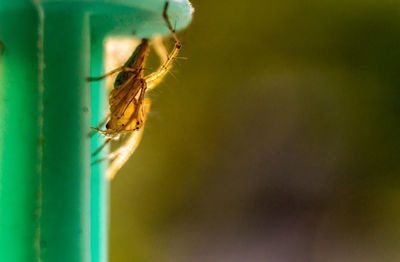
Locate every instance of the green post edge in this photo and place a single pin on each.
(99, 183)
(53, 203)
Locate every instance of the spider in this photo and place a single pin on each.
(128, 107)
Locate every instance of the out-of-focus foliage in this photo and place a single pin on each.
(278, 139)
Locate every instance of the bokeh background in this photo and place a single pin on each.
(276, 139)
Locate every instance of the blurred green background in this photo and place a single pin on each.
(278, 139)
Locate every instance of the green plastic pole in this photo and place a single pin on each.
(65, 218)
(53, 203)
(99, 183)
(20, 130)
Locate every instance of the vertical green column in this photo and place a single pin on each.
(19, 132)
(99, 183)
(65, 214)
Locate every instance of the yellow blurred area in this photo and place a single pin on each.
(275, 138)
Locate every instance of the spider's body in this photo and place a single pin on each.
(126, 99)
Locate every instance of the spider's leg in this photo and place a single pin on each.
(110, 156)
(117, 70)
(156, 77)
(108, 140)
(122, 155)
(98, 127)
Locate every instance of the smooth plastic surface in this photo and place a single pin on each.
(20, 139)
(53, 203)
(65, 218)
(99, 182)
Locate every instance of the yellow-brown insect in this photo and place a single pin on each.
(128, 107)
